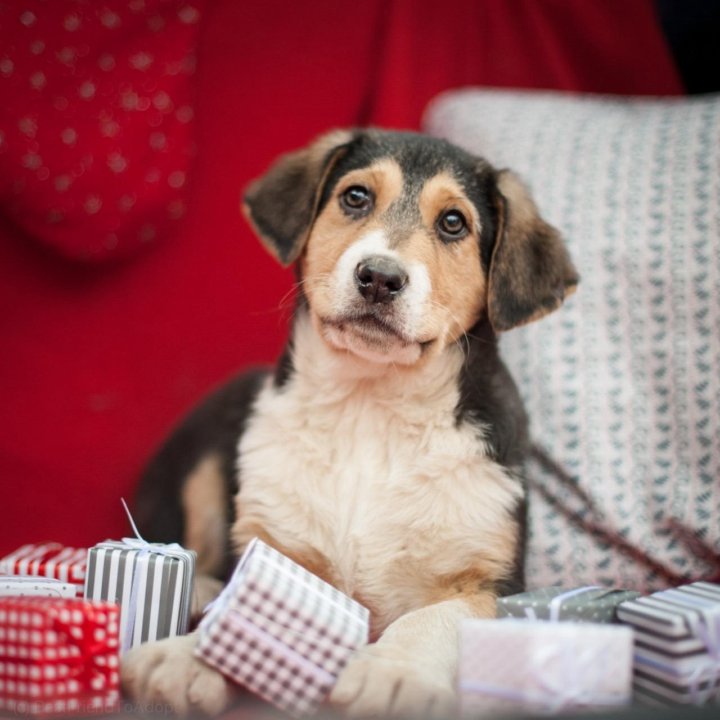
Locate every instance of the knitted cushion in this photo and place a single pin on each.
(623, 383)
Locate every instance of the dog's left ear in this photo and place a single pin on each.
(530, 270)
(282, 204)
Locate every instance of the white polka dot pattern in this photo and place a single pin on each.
(591, 604)
(94, 95)
(58, 656)
(23, 586)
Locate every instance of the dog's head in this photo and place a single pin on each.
(405, 242)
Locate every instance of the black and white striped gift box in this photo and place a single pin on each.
(677, 645)
(280, 631)
(151, 582)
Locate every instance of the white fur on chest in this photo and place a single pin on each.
(374, 473)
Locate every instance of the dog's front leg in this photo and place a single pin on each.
(165, 676)
(410, 671)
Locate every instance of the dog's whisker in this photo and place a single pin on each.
(291, 294)
(453, 317)
(289, 299)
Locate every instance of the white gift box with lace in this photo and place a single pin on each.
(514, 665)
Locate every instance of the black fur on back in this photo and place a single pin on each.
(215, 426)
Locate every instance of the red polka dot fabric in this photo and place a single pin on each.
(96, 123)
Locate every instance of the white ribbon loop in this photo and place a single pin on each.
(565, 676)
(143, 548)
(555, 605)
(706, 626)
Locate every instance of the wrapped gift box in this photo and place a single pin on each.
(280, 631)
(677, 645)
(586, 604)
(51, 560)
(511, 666)
(152, 583)
(25, 586)
(58, 656)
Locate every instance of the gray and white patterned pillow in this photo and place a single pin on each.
(623, 383)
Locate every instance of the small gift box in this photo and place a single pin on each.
(51, 560)
(24, 586)
(280, 631)
(585, 604)
(519, 665)
(677, 645)
(151, 582)
(58, 656)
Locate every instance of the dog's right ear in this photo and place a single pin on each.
(282, 204)
(531, 272)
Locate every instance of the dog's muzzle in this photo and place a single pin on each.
(380, 279)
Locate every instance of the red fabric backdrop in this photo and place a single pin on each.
(99, 358)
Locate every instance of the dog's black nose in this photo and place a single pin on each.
(380, 279)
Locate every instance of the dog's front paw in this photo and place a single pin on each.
(205, 590)
(380, 682)
(166, 674)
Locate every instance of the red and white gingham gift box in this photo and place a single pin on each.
(51, 560)
(58, 656)
(280, 631)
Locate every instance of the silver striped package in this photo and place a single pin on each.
(677, 645)
(151, 582)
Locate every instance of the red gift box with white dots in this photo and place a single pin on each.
(58, 656)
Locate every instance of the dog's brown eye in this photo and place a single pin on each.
(356, 199)
(452, 225)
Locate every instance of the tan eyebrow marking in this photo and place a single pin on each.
(439, 193)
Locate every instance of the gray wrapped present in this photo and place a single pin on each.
(677, 645)
(590, 604)
(152, 583)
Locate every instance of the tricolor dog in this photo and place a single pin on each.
(385, 451)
